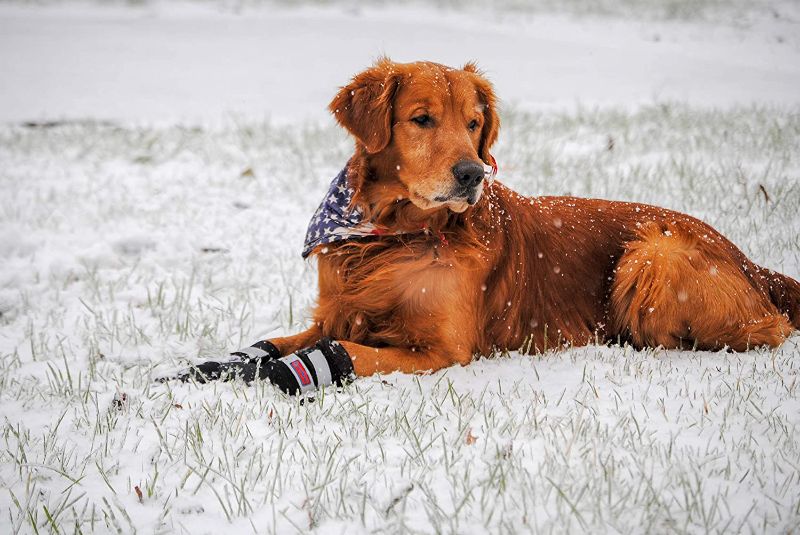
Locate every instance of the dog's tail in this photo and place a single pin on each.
(785, 294)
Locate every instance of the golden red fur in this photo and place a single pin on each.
(483, 268)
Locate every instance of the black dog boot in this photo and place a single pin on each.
(243, 364)
(322, 364)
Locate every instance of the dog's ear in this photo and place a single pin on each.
(491, 120)
(364, 106)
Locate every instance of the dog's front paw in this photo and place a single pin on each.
(214, 371)
(244, 364)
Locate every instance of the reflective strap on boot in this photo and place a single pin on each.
(321, 367)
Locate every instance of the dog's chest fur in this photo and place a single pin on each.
(407, 293)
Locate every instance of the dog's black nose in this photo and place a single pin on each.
(468, 173)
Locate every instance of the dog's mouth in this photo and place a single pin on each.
(470, 196)
(460, 198)
(457, 198)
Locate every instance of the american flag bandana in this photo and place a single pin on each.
(334, 220)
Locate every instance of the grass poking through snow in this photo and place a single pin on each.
(129, 250)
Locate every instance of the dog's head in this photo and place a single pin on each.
(426, 126)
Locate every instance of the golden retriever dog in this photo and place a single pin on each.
(455, 264)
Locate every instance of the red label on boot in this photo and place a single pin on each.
(302, 373)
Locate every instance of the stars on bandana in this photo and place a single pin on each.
(333, 221)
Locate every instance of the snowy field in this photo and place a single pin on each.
(158, 166)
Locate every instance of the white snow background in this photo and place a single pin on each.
(158, 166)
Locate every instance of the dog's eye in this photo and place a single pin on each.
(473, 124)
(423, 120)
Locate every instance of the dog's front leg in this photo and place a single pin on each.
(371, 360)
(305, 362)
(289, 344)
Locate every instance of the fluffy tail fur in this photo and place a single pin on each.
(785, 294)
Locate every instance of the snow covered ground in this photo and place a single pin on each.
(158, 219)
